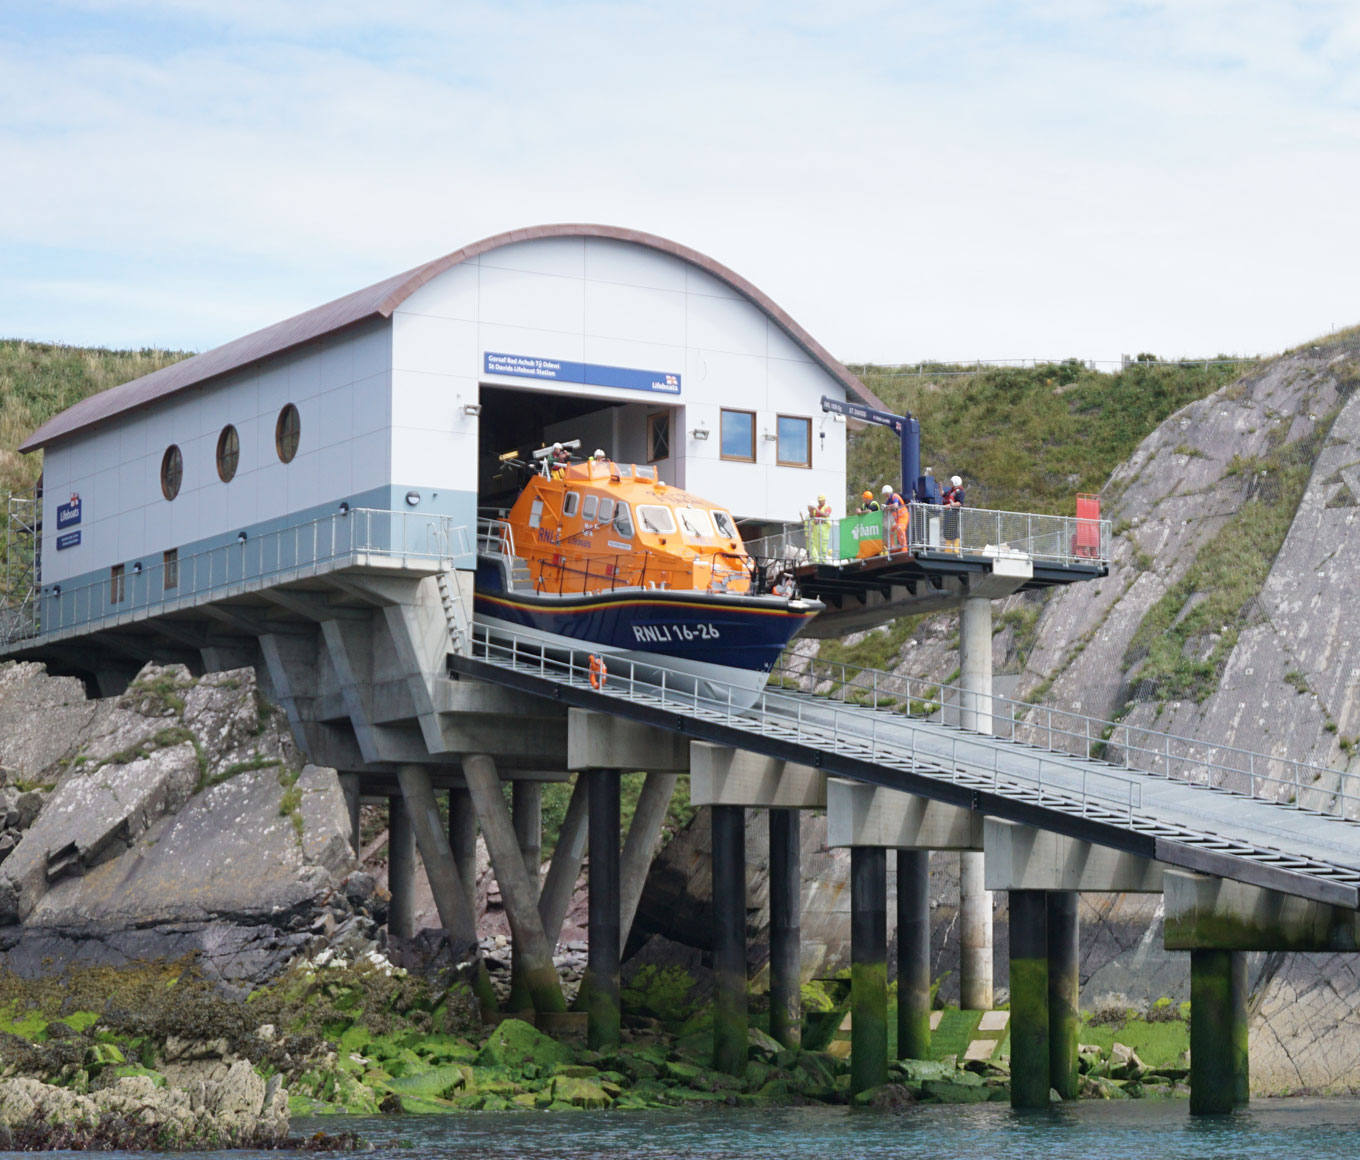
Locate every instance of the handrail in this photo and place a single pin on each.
(255, 560)
(1282, 780)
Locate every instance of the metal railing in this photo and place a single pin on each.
(169, 582)
(978, 366)
(931, 528)
(894, 742)
(1280, 780)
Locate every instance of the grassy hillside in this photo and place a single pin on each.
(39, 379)
(1028, 439)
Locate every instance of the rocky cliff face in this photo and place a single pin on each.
(176, 819)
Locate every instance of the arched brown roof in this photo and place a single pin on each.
(379, 301)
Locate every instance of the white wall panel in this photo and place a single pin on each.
(372, 405)
(372, 351)
(535, 344)
(429, 400)
(371, 461)
(699, 281)
(642, 356)
(609, 260)
(639, 314)
(434, 345)
(537, 301)
(725, 324)
(304, 378)
(780, 346)
(335, 416)
(453, 294)
(565, 257)
(304, 481)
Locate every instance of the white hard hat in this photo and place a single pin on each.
(887, 489)
(557, 447)
(599, 453)
(930, 471)
(956, 481)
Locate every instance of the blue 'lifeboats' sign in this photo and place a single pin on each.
(69, 540)
(591, 374)
(68, 514)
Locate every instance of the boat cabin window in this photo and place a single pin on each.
(623, 522)
(588, 507)
(695, 522)
(606, 512)
(644, 472)
(726, 528)
(656, 519)
(572, 503)
(536, 513)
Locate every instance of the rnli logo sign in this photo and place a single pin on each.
(68, 514)
(522, 366)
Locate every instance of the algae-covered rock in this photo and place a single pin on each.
(920, 1070)
(514, 1043)
(435, 1081)
(951, 1092)
(759, 1043)
(888, 1096)
(579, 1093)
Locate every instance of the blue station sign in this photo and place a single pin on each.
(589, 374)
(68, 514)
(68, 540)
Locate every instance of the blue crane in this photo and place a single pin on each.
(908, 431)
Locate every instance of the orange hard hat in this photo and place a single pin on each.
(868, 495)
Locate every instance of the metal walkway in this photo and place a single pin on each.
(1244, 834)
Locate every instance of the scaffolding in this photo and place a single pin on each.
(21, 574)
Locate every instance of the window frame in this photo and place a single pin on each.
(779, 459)
(660, 507)
(623, 518)
(228, 453)
(722, 439)
(571, 504)
(117, 584)
(589, 506)
(173, 456)
(170, 569)
(653, 421)
(282, 434)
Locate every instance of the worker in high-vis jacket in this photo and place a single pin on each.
(819, 530)
(896, 520)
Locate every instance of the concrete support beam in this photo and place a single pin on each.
(1218, 1032)
(975, 902)
(786, 1009)
(867, 815)
(868, 967)
(601, 741)
(401, 869)
(1029, 999)
(913, 954)
(526, 807)
(463, 843)
(349, 786)
(1206, 913)
(729, 939)
(519, 894)
(565, 867)
(1021, 857)
(1064, 988)
(604, 1029)
(644, 831)
(722, 776)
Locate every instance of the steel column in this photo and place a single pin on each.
(786, 1020)
(729, 939)
(602, 1004)
(868, 967)
(913, 954)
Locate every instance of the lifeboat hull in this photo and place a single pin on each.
(712, 644)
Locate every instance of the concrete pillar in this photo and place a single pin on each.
(526, 808)
(602, 1004)
(868, 967)
(565, 867)
(913, 954)
(729, 939)
(349, 786)
(518, 892)
(463, 843)
(786, 1012)
(1218, 1031)
(975, 902)
(1064, 987)
(1029, 999)
(644, 831)
(401, 869)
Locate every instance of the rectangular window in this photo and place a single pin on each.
(794, 445)
(117, 592)
(606, 512)
(658, 436)
(572, 504)
(589, 506)
(656, 519)
(739, 435)
(170, 568)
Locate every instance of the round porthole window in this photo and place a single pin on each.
(288, 433)
(228, 453)
(172, 471)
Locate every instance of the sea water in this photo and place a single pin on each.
(1293, 1129)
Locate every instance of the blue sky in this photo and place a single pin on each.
(934, 180)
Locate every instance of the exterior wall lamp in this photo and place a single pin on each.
(472, 409)
(344, 507)
(241, 537)
(413, 498)
(700, 433)
(137, 568)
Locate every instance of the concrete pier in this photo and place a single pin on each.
(602, 1004)
(913, 954)
(1029, 999)
(1064, 988)
(785, 927)
(526, 808)
(730, 1017)
(1218, 1031)
(868, 967)
(463, 842)
(401, 869)
(975, 901)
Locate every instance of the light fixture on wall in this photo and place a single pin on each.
(241, 537)
(56, 589)
(700, 432)
(768, 436)
(472, 409)
(344, 507)
(413, 498)
(137, 568)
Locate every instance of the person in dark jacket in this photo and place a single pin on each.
(954, 499)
